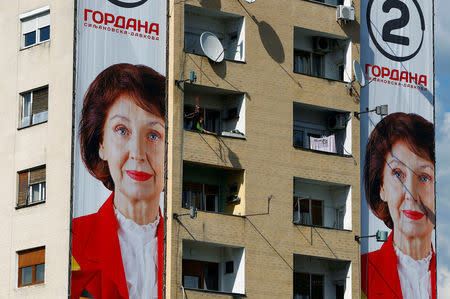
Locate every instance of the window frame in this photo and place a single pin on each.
(200, 198)
(314, 61)
(322, 2)
(34, 16)
(311, 287)
(38, 254)
(298, 200)
(22, 116)
(42, 197)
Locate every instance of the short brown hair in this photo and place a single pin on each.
(415, 131)
(142, 84)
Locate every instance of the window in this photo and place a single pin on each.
(309, 211)
(200, 275)
(34, 107)
(322, 55)
(331, 2)
(31, 266)
(308, 63)
(308, 286)
(31, 186)
(213, 267)
(210, 119)
(203, 196)
(35, 26)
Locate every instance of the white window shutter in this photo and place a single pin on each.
(44, 20)
(29, 25)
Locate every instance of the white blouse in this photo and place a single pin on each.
(139, 248)
(415, 276)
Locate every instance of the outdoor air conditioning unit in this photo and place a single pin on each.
(322, 44)
(337, 121)
(346, 13)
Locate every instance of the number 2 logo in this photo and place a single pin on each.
(390, 26)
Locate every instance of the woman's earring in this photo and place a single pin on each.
(382, 194)
(100, 152)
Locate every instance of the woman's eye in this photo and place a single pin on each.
(121, 130)
(424, 178)
(397, 173)
(153, 136)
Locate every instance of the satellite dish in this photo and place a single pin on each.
(358, 73)
(212, 47)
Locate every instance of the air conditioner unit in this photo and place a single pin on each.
(322, 44)
(337, 121)
(346, 13)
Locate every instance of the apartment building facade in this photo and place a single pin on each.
(276, 186)
(272, 172)
(37, 93)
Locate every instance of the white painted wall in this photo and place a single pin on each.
(50, 143)
(348, 62)
(348, 138)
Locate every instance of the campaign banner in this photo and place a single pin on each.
(397, 150)
(117, 244)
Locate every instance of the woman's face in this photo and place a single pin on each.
(133, 146)
(408, 189)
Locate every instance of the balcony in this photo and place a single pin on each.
(229, 29)
(215, 111)
(213, 189)
(213, 267)
(322, 204)
(322, 129)
(316, 277)
(322, 55)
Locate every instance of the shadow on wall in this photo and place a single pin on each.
(219, 68)
(271, 41)
(214, 4)
(351, 29)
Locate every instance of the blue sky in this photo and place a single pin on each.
(442, 60)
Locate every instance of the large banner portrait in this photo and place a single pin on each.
(397, 150)
(119, 149)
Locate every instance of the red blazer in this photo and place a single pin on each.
(97, 268)
(379, 274)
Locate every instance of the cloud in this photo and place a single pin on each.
(442, 33)
(443, 281)
(442, 196)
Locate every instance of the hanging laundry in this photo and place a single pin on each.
(325, 144)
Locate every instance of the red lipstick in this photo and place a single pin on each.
(139, 175)
(414, 215)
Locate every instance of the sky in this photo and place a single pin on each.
(442, 62)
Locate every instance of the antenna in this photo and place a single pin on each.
(358, 73)
(212, 47)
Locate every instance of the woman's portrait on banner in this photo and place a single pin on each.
(399, 180)
(117, 252)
